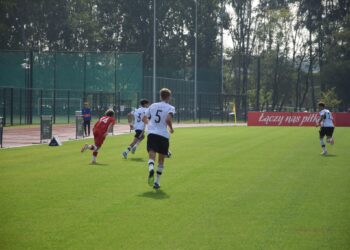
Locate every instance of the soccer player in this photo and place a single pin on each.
(327, 126)
(159, 118)
(100, 130)
(86, 112)
(135, 119)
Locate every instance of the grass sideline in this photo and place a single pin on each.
(224, 188)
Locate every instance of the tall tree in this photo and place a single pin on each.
(242, 36)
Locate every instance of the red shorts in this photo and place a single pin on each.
(99, 138)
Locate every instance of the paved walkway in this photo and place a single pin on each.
(26, 136)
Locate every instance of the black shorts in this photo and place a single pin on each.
(157, 144)
(139, 134)
(328, 131)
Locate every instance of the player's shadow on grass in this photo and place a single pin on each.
(330, 155)
(156, 194)
(99, 164)
(138, 159)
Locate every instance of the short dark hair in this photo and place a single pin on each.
(109, 112)
(321, 104)
(165, 93)
(143, 102)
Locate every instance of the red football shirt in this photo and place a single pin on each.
(102, 125)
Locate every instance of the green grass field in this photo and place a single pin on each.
(224, 188)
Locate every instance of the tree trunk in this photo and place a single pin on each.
(275, 83)
(305, 92)
(282, 103)
(238, 85)
(297, 91)
(311, 75)
(257, 105)
(313, 92)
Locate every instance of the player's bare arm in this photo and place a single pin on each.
(109, 129)
(145, 120)
(169, 122)
(130, 120)
(320, 121)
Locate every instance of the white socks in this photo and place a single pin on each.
(150, 165)
(159, 172)
(323, 145)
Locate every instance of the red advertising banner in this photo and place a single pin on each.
(293, 119)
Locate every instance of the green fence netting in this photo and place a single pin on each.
(58, 83)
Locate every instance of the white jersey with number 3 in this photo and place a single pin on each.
(157, 114)
(327, 118)
(138, 116)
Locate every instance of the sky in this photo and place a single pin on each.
(227, 36)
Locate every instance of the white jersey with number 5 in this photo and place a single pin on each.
(327, 118)
(157, 114)
(138, 116)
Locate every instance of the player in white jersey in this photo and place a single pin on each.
(135, 119)
(327, 126)
(159, 118)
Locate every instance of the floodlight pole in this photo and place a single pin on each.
(154, 51)
(222, 46)
(195, 63)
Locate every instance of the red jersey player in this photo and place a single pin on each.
(100, 130)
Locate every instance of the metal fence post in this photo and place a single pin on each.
(25, 92)
(4, 108)
(119, 103)
(54, 106)
(115, 77)
(68, 104)
(11, 106)
(1, 130)
(30, 82)
(41, 102)
(115, 101)
(178, 108)
(222, 107)
(200, 108)
(54, 90)
(194, 113)
(20, 106)
(84, 77)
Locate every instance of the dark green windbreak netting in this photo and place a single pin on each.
(88, 71)
(58, 83)
(70, 71)
(12, 68)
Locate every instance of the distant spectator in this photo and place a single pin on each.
(86, 112)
